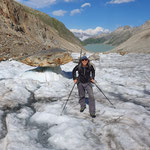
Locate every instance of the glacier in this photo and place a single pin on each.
(31, 102)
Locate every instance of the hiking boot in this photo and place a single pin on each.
(82, 109)
(93, 115)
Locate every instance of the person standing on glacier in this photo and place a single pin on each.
(84, 82)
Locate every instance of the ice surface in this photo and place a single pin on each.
(31, 103)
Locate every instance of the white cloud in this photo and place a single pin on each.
(84, 34)
(67, 0)
(37, 3)
(120, 1)
(59, 12)
(75, 11)
(86, 4)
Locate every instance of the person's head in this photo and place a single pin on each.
(84, 60)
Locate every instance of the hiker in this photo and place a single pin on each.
(84, 82)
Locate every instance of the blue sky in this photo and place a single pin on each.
(89, 14)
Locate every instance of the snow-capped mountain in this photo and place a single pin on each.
(85, 34)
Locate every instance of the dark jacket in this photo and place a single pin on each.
(85, 73)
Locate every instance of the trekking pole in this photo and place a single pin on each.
(80, 56)
(104, 95)
(68, 99)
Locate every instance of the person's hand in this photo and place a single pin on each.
(75, 81)
(92, 80)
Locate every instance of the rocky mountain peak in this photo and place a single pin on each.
(146, 24)
(123, 28)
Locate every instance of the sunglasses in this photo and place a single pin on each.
(84, 59)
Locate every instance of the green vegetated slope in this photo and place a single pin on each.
(94, 41)
(54, 23)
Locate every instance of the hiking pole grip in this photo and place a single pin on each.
(104, 95)
(67, 99)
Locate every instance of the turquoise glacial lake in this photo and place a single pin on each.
(99, 47)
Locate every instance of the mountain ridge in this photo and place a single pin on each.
(114, 38)
(126, 39)
(25, 31)
(139, 42)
